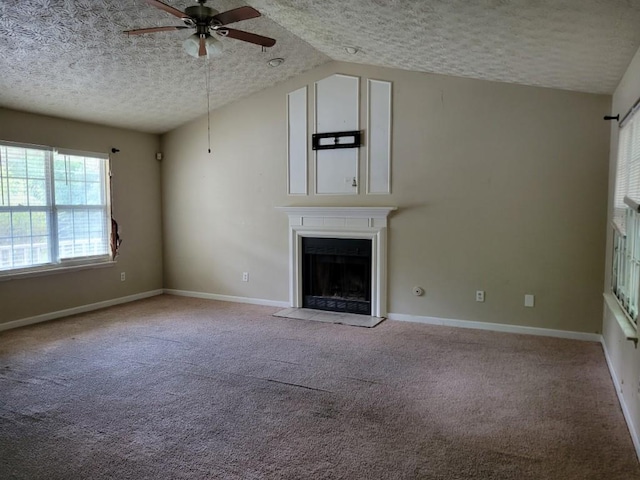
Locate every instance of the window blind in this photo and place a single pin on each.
(81, 204)
(627, 172)
(25, 206)
(54, 208)
(625, 275)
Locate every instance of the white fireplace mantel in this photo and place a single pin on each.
(340, 222)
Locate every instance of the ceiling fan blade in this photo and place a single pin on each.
(139, 31)
(235, 15)
(247, 37)
(168, 8)
(203, 46)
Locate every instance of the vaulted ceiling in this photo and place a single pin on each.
(69, 58)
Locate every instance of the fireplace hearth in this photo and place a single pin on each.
(336, 274)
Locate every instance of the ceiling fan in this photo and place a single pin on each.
(205, 21)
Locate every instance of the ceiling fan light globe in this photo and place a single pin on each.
(192, 46)
(214, 46)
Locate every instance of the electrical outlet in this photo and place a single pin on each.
(479, 295)
(123, 276)
(245, 276)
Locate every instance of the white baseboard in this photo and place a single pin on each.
(227, 298)
(623, 405)
(75, 310)
(496, 327)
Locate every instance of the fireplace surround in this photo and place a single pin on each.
(366, 223)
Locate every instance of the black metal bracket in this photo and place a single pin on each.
(340, 140)
(609, 117)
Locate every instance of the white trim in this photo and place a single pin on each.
(625, 410)
(306, 137)
(57, 268)
(625, 324)
(315, 130)
(369, 223)
(81, 153)
(378, 263)
(369, 134)
(75, 310)
(496, 327)
(226, 298)
(377, 213)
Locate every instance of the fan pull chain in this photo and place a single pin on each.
(207, 74)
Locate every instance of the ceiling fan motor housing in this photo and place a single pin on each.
(200, 12)
(202, 16)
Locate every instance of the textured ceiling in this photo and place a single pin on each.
(69, 58)
(583, 45)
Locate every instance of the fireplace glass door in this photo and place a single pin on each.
(336, 274)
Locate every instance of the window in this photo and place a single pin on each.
(54, 208)
(625, 277)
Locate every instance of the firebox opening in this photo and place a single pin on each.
(336, 274)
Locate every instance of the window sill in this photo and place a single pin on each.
(628, 328)
(54, 270)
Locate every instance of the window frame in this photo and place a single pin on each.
(625, 265)
(57, 264)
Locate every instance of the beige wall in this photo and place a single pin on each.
(136, 206)
(623, 356)
(499, 187)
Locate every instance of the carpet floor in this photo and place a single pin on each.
(181, 388)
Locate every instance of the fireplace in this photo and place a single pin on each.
(367, 224)
(336, 274)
